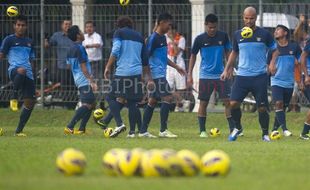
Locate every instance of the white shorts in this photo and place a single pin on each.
(175, 80)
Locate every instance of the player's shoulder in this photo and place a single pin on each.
(9, 37)
(201, 36)
(263, 31)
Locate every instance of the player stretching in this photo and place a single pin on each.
(157, 52)
(81, 69)
(252, 72)
(213, 45)
(19, 50)
(282, 81)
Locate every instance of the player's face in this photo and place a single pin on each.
(20, 27)
(89, 28)
(66, 25)
(165, 25)
(249, 19)
(279, 33)
(211, 28)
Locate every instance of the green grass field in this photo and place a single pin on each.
(29, 163)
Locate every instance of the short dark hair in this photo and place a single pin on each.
(285, 29)
(73, 31)
(20, 18)
(124, 21)
(90, 22)
(212, 18)
(163, 17)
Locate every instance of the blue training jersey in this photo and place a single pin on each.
(75, 57)
(157, 54)
(284, 77)
(19, 52)
(129, 49)
(253, 51)
(212, 51)
(307, 49)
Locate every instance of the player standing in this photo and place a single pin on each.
(19, 50)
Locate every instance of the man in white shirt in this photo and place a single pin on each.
(176, 46)
(93, 45)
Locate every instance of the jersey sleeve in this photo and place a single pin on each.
(235, 46)
(227, 44)
(82, 55)
(196, 46)
(150, 45)
(144, 56)
(5, 46)
(271, 44)
(117, 43)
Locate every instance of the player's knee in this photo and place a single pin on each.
(167, 99)
(226, 103)
(21, 71)
(203, 104)
(152, 102)
(89, 106)
(121, 100)
(29, 104)
(234, 104)
(262, 109)
(279, 105)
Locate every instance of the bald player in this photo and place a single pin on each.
(252, 72)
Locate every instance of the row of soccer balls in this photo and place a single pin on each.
(148, 163)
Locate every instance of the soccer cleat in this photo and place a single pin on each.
(131, 135)
(118, 130)
(78, 132)
(240, 133)
(266, 138)
(233, 135)
(304, 136)
(146, 135)
(203, 134)
(20, 134)
(287, 133)
(167, 134)
(68, 131)
(102, 124)
(14, 105)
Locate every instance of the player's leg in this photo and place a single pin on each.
(28, 92)
(18, 76)
(305, 132)
(147, 116)
(287, 94)
(277, 98)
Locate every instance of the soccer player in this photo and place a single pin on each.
(252, 72)
(282, 79)
(214, 46)
(305, 64)
(158, 86)
(81, 71)
(129, 54)
(19, 50)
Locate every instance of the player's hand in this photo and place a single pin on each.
(107, 73)
(272, 69)
(190, 81)
(181, 70)
(94, 86)
(150, 85)
(226, 75)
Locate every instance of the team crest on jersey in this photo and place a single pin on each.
(220, 42)
(29, 44)
(291, 52)
(258, 39)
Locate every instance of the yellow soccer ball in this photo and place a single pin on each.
(215, 163)
(246, 32)
(124, 2)
(174, 162)
(12, 11)
(214, 132)
(71, 162)
(154, 164)
(190, 161)
(129, 162)
(1, 132)
(107, 132)
(99, 113)
(110, 161)
(275, 135)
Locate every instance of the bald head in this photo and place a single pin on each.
(249, 17)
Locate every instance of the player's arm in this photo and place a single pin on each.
(272, 65)
(88, 76)
(109, 66)
(228, 71)
(192, 61)
(303, 61)
(177, 67)
(98, 43)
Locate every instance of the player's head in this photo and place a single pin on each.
(20, 25)
(75, 34)
(281, 32)
(65, 25)
(249, 17)
(90, 27)
(211, 24)
(124, 21)
(173, 30)
(164, 22)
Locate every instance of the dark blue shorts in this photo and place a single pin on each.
(257, 85)
(128, 87)
(161, 89)
(86, 95)
(207, 86)
(282, 94)
(28, 88)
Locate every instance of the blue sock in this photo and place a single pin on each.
(236, 116)
(306, 129)
(24, 117)
(202, 123)
(276, 124)
(115, 108)
(164, 114)
(264, 121)
(79, 114)
(147, 116)
(231, 123)
(133, 115)
(280, 116)
(18, 81)
(85, 120)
